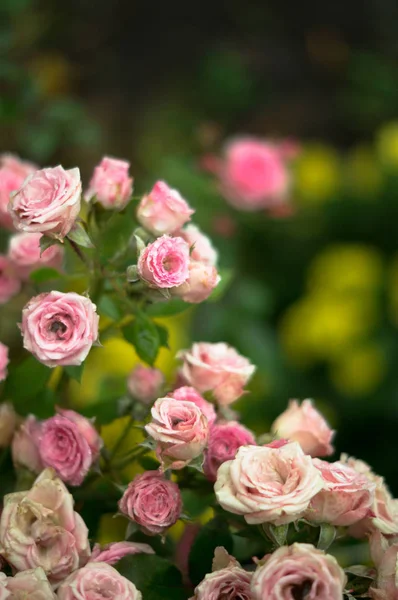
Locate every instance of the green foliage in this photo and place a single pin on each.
(44, 274)
(172, 307)
(215, 533)
(78, 234)
(75, 371)
(144, 336)
(155, 577)
(26, 384)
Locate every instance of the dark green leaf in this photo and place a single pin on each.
(75, 372)
(148, 463)
(44, 274)
(109, 307)
(144, 336)
(163, 335)
(214, 533)
(196, 501)
(327, 534)
(47, 242)
(79, 235)
(155, 577)
(277, 534)
(24, 382)
(168, 309)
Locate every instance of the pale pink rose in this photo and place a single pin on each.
(47, 202)
(202, 279)
(202, 249)
(87, 430)
(13, 172)
(298, 571)
(39, 528)
(58, 328)
(4, 592)
(217, 368)
(163, 210)
(384, 554)
(165, 262)
(189, 394)
(3, 361)
(32, 584)
(145, 383)
(152, 501)
(97, 581)
(63, 447)
(346, 498)
(305, 425)
(253, 174)
(24, 253)
(277, 443)
(8, 423)
(228, 580)
(110, 184)
(25, 445)
(10, 284)
(224, 441)
(180, 429)
(113, 552)
(274, 485)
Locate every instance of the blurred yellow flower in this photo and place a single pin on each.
(52, 74)
(387, 144)
(360, 370)
(111, 529)
(317, 174)
(364, 176)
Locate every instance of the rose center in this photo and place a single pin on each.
(170, 263)
(176, 421)
(301, 591)
(57, 326)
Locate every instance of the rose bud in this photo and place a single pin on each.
(13, 172)
(298, 571)
(3, 361)
(305, 425)
(180, 429)
(10, 285)
(201, 247)
(115, 551)
(32, 584)
(163, 210)
(217, 368)
(189, 394)
(25, 445)
(152, 501)
(87, 430)
(110, 184)
(268, 485)
(144, 383)
(8, 423)
(24, 253)
(59, 329)
(224, 441)
(97, 580)
(346, 497)
(202, 280)
(39, 528)
(228, 579)
(164, 263)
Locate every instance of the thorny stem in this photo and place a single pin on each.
(79, 253)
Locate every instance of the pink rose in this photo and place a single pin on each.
(13, 172)
(165, 262)
(202, 249)
(228, 580)
(224, 441)
(384, 554)
(10, 285)
(189, 394)
(265, 484)
(32, 584)
(24, 253)
(144, 383)
(48, 202)
(63, 447)
(86, 429)
(3, 361)
(25, 445)
(180, 430)
(163, 210)
(4, 593)
(216, 367)
(152, 501)
(298, 571)
(95, 581)
(39, 528)
(110, 184)
(346, 498)
(305, 425)
(253, 175)
(8, 423)
(113, 552)
(59, 329)
(202, 279)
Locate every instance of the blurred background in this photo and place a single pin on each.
(310, 296)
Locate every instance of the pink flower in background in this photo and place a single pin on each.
(4, 593)
(228, 579)
(95, 581)
(274, 485)
(298, 571)
(165, 262)
(217, 368)
(110, 184)
(346, 498)
(180, 429)
(32, 584)
(189, 394)
(24, 253)
(224, 441)
(3, 361)
(58, 328)
(202, 249)
(8, 423)
(115, 551)
(152, 501)
(202, 279)
(13, 172)
(144, 383)
(305, 425)
(25, 445)
(10, 285)
(87, 430)
(163, 210)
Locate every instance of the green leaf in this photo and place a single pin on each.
(154, 576)
(47, 242)
(144, 336)
(214, 533)
(114, 237)
(163, 336)
(109, 307)
(277, 534)
(327, 534)
(148, 463)
(75, 371)
(168, 309)
(24, 382)
(44, 274)
(79, 235)
(197, 501)
(197, 463)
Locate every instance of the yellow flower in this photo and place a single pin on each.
(317, 174)
(387, 144)
(363, 173)
(359, 371)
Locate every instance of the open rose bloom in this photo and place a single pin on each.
(13, 173)
(110, 184)
(3, 361)
(164, 263)
(163, 210)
